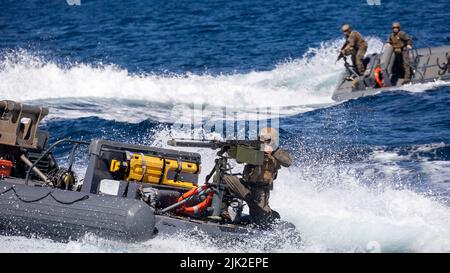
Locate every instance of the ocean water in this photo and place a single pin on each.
(370, 174)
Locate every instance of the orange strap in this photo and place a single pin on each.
(200, 206)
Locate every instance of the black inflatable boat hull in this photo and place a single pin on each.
(60, 214)
(68, 215)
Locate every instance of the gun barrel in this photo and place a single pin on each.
(198, 144)
(213, 144)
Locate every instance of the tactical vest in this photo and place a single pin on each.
(398, 41)
(358, 39)
(262, 176)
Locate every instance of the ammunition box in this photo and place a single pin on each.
(249, 155)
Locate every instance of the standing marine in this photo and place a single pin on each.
(257, 181)
(354, 45)
(401, 42)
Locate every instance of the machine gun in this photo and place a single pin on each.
(340, 56)
(243, 151)
(350, 68)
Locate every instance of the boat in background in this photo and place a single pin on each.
(383, 73)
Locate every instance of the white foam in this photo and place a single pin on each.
(296, 86)
(438, 172)
(380, 155)
(385, 156)
(420, 87)
(341, 216)
(332, 206)
(335, 210)
(347, 216)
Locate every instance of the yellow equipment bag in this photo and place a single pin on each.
(157, 170)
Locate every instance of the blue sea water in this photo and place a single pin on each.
(373, 170)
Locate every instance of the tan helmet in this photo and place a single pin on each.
(396, 25)
(269, 138)
(346, 27)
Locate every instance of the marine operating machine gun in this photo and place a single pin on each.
(243, 151)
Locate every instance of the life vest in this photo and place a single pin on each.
(378, 75)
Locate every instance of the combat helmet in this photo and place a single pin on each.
(396, 25)
(269, 138)
(346, 27)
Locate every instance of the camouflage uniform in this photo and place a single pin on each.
(356, 46)
(257, 182)
(399, 41)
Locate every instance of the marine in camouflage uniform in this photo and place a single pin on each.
(401, 41)
(354, 45)
(257, 181)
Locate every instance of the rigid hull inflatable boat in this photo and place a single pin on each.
(129, 192)
(383, 73)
